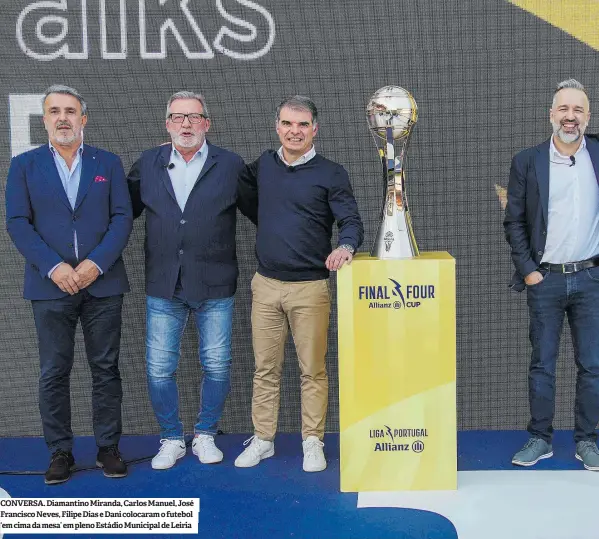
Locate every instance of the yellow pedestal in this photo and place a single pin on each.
(397, 374)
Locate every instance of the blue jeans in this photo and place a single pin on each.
(558, 294)
(166, 321)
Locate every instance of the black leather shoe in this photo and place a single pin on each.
(59, 471)
(110, 460)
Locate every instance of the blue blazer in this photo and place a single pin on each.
(40, 220)
(525, 220)
(198, 242)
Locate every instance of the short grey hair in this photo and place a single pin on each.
(299, 102)
(568, 83)
(187, 95)
(65, 90)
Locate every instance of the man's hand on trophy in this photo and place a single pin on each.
(337, 258)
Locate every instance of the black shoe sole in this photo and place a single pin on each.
(111, 476)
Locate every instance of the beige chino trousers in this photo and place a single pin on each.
(304, 307)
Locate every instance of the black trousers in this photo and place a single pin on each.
(56, 322)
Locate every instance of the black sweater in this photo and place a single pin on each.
(294, 209)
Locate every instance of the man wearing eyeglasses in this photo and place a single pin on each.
(188, 191)
(552, 226)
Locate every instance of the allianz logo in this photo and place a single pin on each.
(395, 295)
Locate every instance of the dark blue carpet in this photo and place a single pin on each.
(493, 450)
(273, 500)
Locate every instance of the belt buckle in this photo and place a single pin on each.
(564, 266)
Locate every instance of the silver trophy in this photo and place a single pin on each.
(392, 114)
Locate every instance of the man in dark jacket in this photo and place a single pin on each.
(552, 226)
(69, 214)
(188, 190)
(295, 195)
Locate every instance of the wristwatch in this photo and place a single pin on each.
(347, 247)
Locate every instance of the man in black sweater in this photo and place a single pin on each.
(294, 196)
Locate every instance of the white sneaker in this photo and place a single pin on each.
(170, 451)
(314, 460)
(205, 449)
(255, 452)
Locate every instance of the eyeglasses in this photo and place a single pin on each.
(194, 118)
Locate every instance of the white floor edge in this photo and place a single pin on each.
(508, 504)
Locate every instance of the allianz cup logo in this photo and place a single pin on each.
(394, 295)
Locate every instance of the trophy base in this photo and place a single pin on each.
(395, 238)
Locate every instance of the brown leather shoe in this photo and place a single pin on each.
(109, 458)
(61, 465)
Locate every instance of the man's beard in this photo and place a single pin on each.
(67, 137)
(568, 138)
(186, 142)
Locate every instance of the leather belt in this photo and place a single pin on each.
(571, 267)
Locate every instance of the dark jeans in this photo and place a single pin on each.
(577, 295)
(56, 321)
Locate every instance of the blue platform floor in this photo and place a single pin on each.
(274, 500)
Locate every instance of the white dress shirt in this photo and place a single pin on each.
(301, 160)
(573, 213)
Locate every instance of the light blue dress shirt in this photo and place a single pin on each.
(184, 175)
(70, 179)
